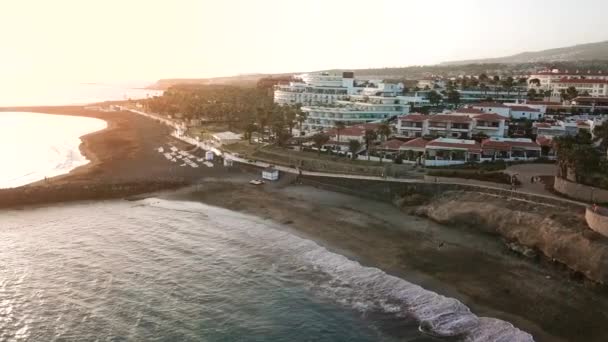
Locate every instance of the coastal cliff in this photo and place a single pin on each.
(561, 236)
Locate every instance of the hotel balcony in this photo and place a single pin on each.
(410, 128)
(487, 127)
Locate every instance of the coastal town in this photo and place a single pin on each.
(286, 171)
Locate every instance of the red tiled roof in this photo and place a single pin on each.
(548, 103)
(582, 80)
(476, 147)
(468, 110)
(496, 145)
(490, 104)
(414, 117)
(542, 124)
(354, 131)
(599, 99)
(449, 118)
(489, 117)
(392, 144)
(416, 143)
(544, 141)
(524, 109)
(508, 145)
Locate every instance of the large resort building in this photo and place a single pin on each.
(327, 99)
(595, 83)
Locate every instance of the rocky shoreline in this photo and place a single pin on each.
(530, 228)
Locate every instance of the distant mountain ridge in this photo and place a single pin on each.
(581, 52)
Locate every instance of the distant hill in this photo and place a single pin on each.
(581, 52)
(249, 80)
(593, 56)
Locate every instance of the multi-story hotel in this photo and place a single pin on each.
(313, 89)
(593, 87)
(357, 109)
(554, 79)
(327, 99)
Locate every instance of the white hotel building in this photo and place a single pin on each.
(593, 82)
(329, 98)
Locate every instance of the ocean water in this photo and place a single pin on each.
(61, 93)
(35, 146)
(156, 270)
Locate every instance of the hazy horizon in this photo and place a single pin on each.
(102, 41)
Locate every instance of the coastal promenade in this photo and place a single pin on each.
(523, 193)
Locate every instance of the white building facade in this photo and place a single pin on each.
(327, 99)
(553, 80)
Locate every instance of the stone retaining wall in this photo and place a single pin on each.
(597, 220)
(580, 191)
(388, 191)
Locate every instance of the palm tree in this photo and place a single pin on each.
(262, 119)
(249, 129)
(370, 137)
(600, 134)
(535, 81)
(339, 125)
(320, 139)
(384, 131)
(484, 88)
(353, 147)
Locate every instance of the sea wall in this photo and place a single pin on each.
(42, 194)
(597, 220)
(580, 192)
(388, 191)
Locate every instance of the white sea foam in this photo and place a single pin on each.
(35, 146)
(365, 289)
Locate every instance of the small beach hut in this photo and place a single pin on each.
(208, 155)
(270, 174)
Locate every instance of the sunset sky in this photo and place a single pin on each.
(99, 40)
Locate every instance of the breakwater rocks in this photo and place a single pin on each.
(44, 194)
(558, 234)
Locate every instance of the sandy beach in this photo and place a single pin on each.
(476, 268)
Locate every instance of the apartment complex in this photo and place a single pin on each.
(449, 151)
(555, 80)
(461, 124)
(593, 87)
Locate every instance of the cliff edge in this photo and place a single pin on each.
(560, 235)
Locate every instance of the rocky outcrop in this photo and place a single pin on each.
(561, 235)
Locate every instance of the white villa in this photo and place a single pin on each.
(464, 123)
(513, 110)
(448, 151)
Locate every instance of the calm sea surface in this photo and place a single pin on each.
(35, 146)
(158, 270)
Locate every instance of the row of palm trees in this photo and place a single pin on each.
(250, 110)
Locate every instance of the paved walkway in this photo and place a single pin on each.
(524, 171)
